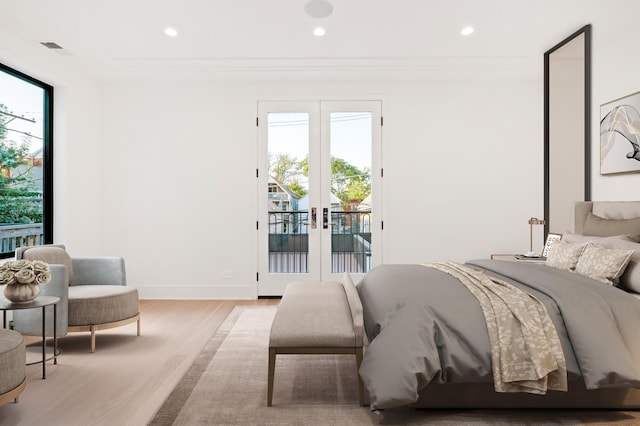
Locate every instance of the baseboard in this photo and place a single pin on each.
(231, 292)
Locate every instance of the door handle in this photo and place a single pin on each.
(325, 218)
(313, 218)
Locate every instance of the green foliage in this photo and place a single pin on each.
(19, 201)
(283, 167)
(287, 170)
(297, 189)
(347, 181)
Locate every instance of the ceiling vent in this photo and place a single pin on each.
(51, 45)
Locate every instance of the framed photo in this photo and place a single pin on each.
(620, 135)
(551, 240)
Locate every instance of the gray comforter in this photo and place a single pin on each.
(424, 326)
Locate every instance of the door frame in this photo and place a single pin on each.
(319, 130)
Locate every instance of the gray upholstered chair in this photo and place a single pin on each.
(13, 372)
(94, 294)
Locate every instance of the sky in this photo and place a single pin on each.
(23, 99)
(350, 136)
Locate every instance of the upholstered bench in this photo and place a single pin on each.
(13, 370)
(319, 317)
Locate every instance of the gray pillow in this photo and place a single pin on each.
(601, 227)
(602, 264)
(570, 237)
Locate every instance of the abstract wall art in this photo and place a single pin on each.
(620, 135)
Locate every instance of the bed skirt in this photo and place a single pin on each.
(482, 395)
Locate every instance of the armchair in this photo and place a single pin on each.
(93, 291)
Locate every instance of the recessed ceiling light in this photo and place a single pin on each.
(466, 31)
(171, 32)
(319, 31)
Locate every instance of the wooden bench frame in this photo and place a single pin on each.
(317, 351)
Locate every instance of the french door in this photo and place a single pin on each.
(319, 178)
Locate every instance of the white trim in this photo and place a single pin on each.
(230, 292)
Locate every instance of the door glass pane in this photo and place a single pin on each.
(288, 192)
(350, 191)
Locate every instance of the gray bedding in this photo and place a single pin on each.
(425, 327)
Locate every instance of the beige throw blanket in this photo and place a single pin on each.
(526, 353)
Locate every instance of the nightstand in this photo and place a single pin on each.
(510, 257)
(518, 258)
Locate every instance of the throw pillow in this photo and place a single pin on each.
(51, 255)
(601, 264)
(630, 279)
(570, 237)
(601, 227)
(563, 255)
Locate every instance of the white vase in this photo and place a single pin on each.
(21, 293)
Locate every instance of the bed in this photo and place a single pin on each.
(429, 345)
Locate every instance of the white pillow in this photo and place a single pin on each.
(563, 255)
(601, 264)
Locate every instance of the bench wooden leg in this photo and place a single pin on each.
(360, 384)
(272, 370)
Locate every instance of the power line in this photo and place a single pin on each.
(288, 123)
(32, 120)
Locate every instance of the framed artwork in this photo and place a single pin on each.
(620, 135)
(551, 240)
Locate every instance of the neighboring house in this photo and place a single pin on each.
(336, 204)
(282, 202)
(33, 167)
(281, 198)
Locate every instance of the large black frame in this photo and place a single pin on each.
(47, 196)
(586, 31)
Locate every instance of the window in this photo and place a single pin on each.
(26, 161)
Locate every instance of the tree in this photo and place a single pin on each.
(287, 170)
(348, 182)
(20, 202)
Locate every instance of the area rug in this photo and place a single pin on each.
(227, 385)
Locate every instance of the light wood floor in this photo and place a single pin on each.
(128, 378)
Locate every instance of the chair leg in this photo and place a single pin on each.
(272, 369)
(138, 322)
(93, 338)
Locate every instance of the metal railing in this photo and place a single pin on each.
(289, 241)
(13, 236)
(350, 241)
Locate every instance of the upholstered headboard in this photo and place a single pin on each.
(604, 209)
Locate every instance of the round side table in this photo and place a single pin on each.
(38, 302)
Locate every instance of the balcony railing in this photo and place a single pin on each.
(14, 236)
(289, 241)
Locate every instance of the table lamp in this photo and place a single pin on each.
(533, 221)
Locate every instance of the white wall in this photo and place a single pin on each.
(77, 137)
(616, 68)
(462, 160)
(163, 173)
